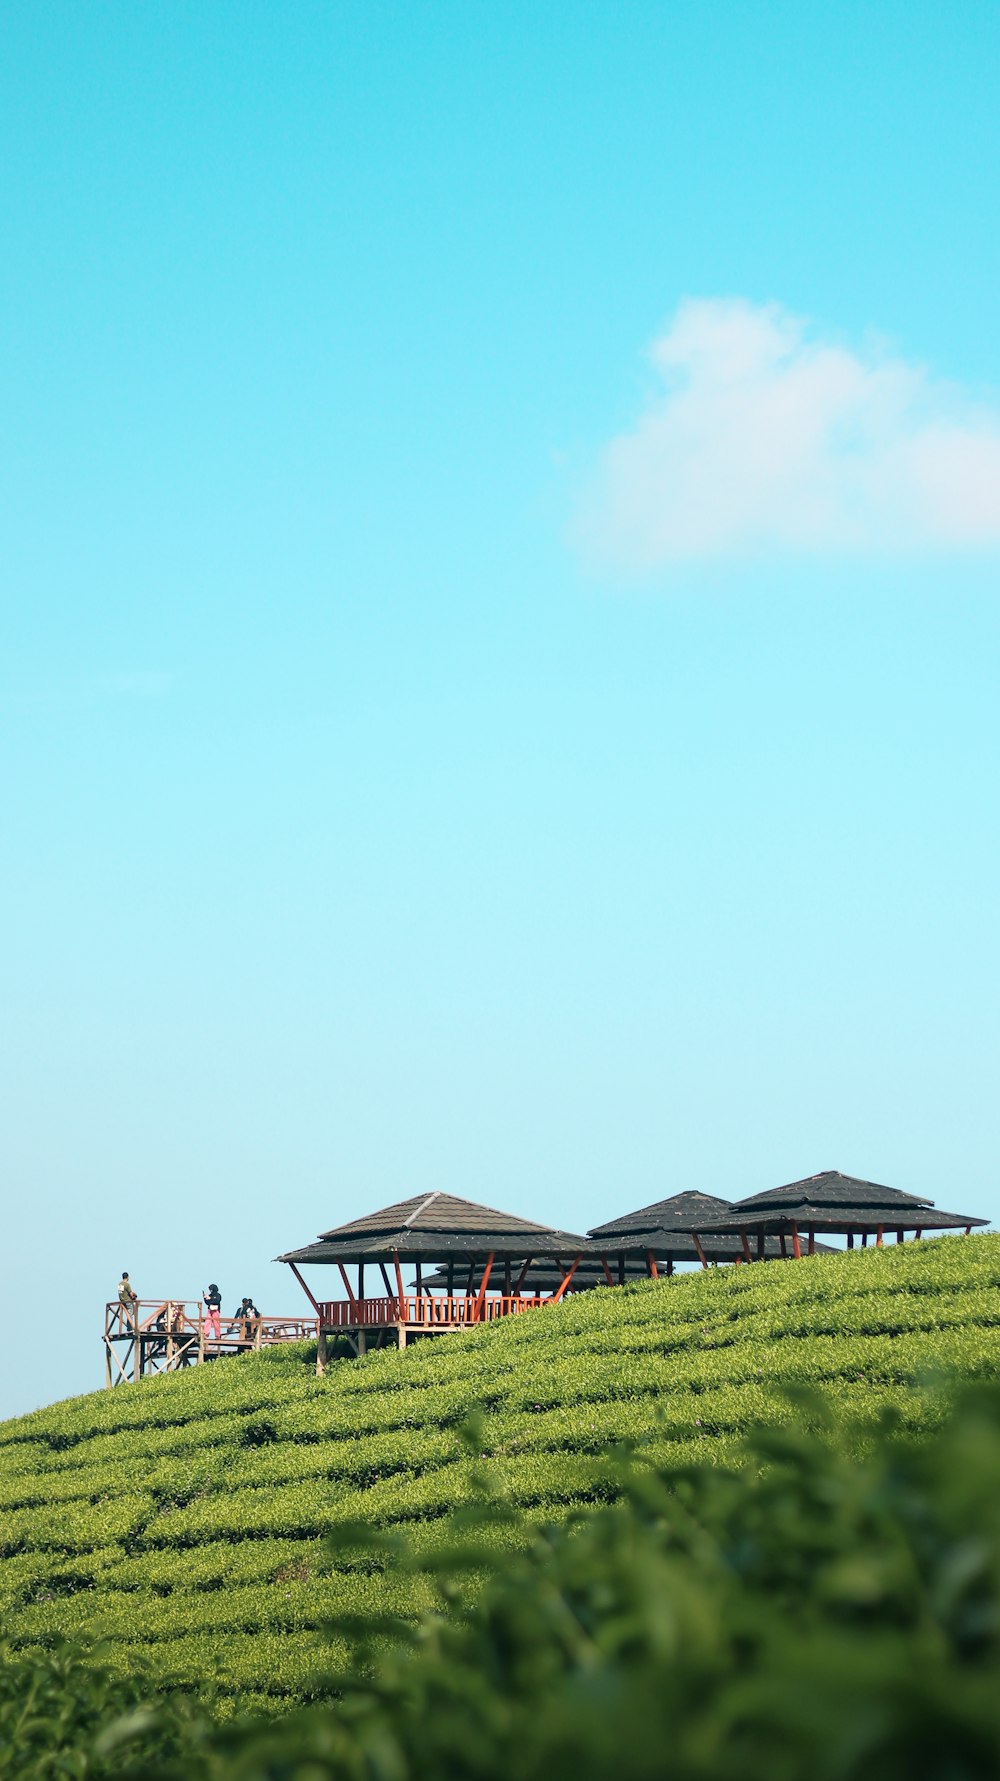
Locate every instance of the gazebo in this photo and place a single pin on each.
(486, 1259)
(657, 1236)
(830, 1202)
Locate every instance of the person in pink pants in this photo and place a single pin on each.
(213, 1304)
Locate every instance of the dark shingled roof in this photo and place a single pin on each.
(834, 1202)
(433, 1227)
(433, 1212)
(917, 1216)
(681, 1212)
(831, 1188)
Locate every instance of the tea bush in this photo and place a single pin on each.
(121, 1512)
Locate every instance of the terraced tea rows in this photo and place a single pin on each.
(183, 1520)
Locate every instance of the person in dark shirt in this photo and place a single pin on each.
(249, 1317)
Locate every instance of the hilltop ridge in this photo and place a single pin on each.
(182, 1520)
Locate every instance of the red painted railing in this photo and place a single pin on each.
(422, 1311)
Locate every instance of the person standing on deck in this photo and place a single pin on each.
(128, 1298)
(249, 1319)
(213, 1305)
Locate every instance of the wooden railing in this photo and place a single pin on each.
(185, 1325)
(422, 1311)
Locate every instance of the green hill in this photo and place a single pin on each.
(181, 1521)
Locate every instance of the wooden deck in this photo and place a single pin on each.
(163, 1335)
(394, 1318)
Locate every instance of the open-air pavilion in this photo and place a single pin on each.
(654, 1238)
(486, 1258)
(841, 1205)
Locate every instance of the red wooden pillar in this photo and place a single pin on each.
(654, 1272)
(484, 1283)
(796, 1245)
(305, 1288)
(699, 1250)
(878, 1237)
(565, 1281)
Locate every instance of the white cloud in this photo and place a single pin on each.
(765, 438)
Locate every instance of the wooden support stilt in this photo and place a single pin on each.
(811, 1245)
(920, 1233)
(850, 1239)
(864, 1239)
(347, 1285)
(388, 1282)
(761, 1251)
(796, 1245)
(399, 1283)
(745, 1242)
(654, 1272)
(878, 1236)
(783, 1243)
(670, 1263)
(899, 1236)
(621, 1267)
(321, 1352)
(361, 1280)
(607, 1271)
(698, 1249)
(519, 1282)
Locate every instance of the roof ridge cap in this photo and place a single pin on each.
(421, 1208)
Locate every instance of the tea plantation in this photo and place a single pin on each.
(182, 1522)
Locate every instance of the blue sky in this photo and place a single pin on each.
(399, 789)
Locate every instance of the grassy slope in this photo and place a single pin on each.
(182, 1519)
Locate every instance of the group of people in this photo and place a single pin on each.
(171, 1318)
